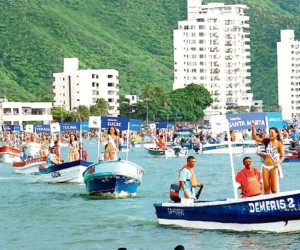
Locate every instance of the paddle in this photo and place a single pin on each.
(199, 192)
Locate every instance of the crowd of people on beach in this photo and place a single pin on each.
(114, 139)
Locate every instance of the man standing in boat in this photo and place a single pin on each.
(161, 144)
(188, 180)
(250, 179)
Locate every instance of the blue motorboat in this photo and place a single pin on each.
(113, 179)
(273, 212)
(64, 172)
(278, 212)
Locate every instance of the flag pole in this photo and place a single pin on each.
(128, 138)
(99, 141)
(231, 160)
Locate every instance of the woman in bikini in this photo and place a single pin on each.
(112, 144)
(271, 168)
(44, 146)
(74, 147)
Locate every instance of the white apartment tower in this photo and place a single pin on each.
(211, 48)
(75, 87)
(288, 70)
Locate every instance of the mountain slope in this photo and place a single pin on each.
(132, 36)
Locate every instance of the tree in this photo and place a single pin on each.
(94, 111)
(272, 108)
(189, 103)
(102, 106)
(156, 103)
(237, 110)
(147, 91)
(60, 114)
(253, 109)
(125, 107)
(81, 113)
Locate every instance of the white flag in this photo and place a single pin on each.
(219, 123)
(94, 121)
(29, 128)
(54, 127)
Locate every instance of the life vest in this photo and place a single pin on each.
(193, 179)
(254, 186)
(174, 188)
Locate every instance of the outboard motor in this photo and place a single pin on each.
(174, 192)
(196, 147)
(177, 151)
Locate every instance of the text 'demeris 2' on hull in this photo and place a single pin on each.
(274, 212)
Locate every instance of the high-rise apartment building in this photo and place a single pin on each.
(212, 48)
(75, 87)
(288, 70)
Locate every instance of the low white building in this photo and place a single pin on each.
(18, 113)
(259, 105)
(75, 87)
(133, 99)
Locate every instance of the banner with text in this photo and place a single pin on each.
(135, 125)
(275, 119)
(42, 128)
(120, 123)
(242, 121)
(69, 126)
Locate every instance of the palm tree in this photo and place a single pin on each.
(94, 111)
(102, 106)
(147, 91)
(81, 113)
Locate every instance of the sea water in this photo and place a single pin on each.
(35, 215)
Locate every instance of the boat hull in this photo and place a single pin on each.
(9, 154)
(223, 148)
(168, 153)
(113, 179)
(65, 172)
(275, 212)
(29, 167)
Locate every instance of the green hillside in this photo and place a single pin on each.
(132, 36)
